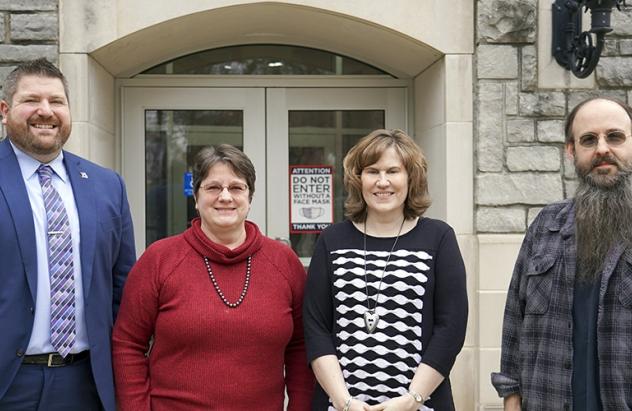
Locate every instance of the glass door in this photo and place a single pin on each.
(164, 128)
(295, 137)
(309, 132)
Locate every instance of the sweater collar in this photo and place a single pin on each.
(218, 253)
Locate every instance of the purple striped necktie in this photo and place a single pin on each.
(60, 266)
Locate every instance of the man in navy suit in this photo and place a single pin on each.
(37, 372)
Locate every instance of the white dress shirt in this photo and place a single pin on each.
(40, 337)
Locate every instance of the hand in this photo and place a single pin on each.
(357, 405)
(402, 403)
(512, 402)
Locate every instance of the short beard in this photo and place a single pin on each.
(603, 217)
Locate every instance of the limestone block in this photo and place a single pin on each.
(2, 36)
(499, 62)
(490, 314)
(520, 130)
(625, 47)
(550, 131)
(533, 158)
(462, 374)
(511, 98)
(570, 187)
(546, 103)
(507, 21)
(500, 220)
(529, 68)
(577, 96)
(24, 5)
(518, 188)
(18, 53)
(489, 361)
(4, 72)
(532, 214)
(610, 47)
(614, 72)
(569, 167)
(621, 21)
(497, 257)
(38, 26)
(490, 126)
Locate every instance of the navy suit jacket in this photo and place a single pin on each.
(107, 254)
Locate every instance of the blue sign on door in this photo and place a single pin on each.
(188, 184)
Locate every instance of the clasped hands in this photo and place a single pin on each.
(402, 403)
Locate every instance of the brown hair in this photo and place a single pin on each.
(368, 151)
(40, 67)
(568, 127)
(227, 154)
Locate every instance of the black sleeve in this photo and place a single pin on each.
(318, 318)
(450, 306)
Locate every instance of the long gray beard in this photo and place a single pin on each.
(603, 218)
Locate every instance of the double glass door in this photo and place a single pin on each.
(295, 137)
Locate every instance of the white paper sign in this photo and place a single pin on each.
(311, 198)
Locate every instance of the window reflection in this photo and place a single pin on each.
(324, 138)
(265, 60)
(172, 140)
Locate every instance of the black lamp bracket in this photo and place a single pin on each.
(576, 50)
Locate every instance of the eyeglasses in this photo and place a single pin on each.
(235, 189)
(613, 139)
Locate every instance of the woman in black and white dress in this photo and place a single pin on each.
(385, 306)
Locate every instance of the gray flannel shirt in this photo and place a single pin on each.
(537, 346)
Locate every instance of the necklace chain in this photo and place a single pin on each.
(219, 290)
(388, 259)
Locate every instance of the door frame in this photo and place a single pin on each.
(136, 100)
(161, 85)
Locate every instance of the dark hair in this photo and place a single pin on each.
(368, 151)
(227, 154)
(568, 127)
(40, 67)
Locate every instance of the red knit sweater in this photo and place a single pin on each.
(205, 355)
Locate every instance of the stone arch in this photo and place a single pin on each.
(266, 23)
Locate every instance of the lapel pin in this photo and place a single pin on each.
(83, 174)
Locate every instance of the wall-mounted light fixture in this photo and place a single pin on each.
(573, 49)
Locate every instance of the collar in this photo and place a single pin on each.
(29, 165)
(564, 219)
(217, 253)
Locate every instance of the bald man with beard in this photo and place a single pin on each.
(567, 330)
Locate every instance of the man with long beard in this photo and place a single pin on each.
(567, 331)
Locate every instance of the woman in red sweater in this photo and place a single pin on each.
(223, 304)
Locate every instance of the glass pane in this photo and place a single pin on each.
(172, 139)
(323, 138)
(265, 59)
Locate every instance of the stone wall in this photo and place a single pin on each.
(29, 29)
(520, 160)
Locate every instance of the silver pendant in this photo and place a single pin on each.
(370, 320)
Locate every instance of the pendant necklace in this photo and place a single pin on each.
(370, 316)
(219, 290)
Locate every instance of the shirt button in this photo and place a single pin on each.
(19, 353)
(567, 365)
(31, 309)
